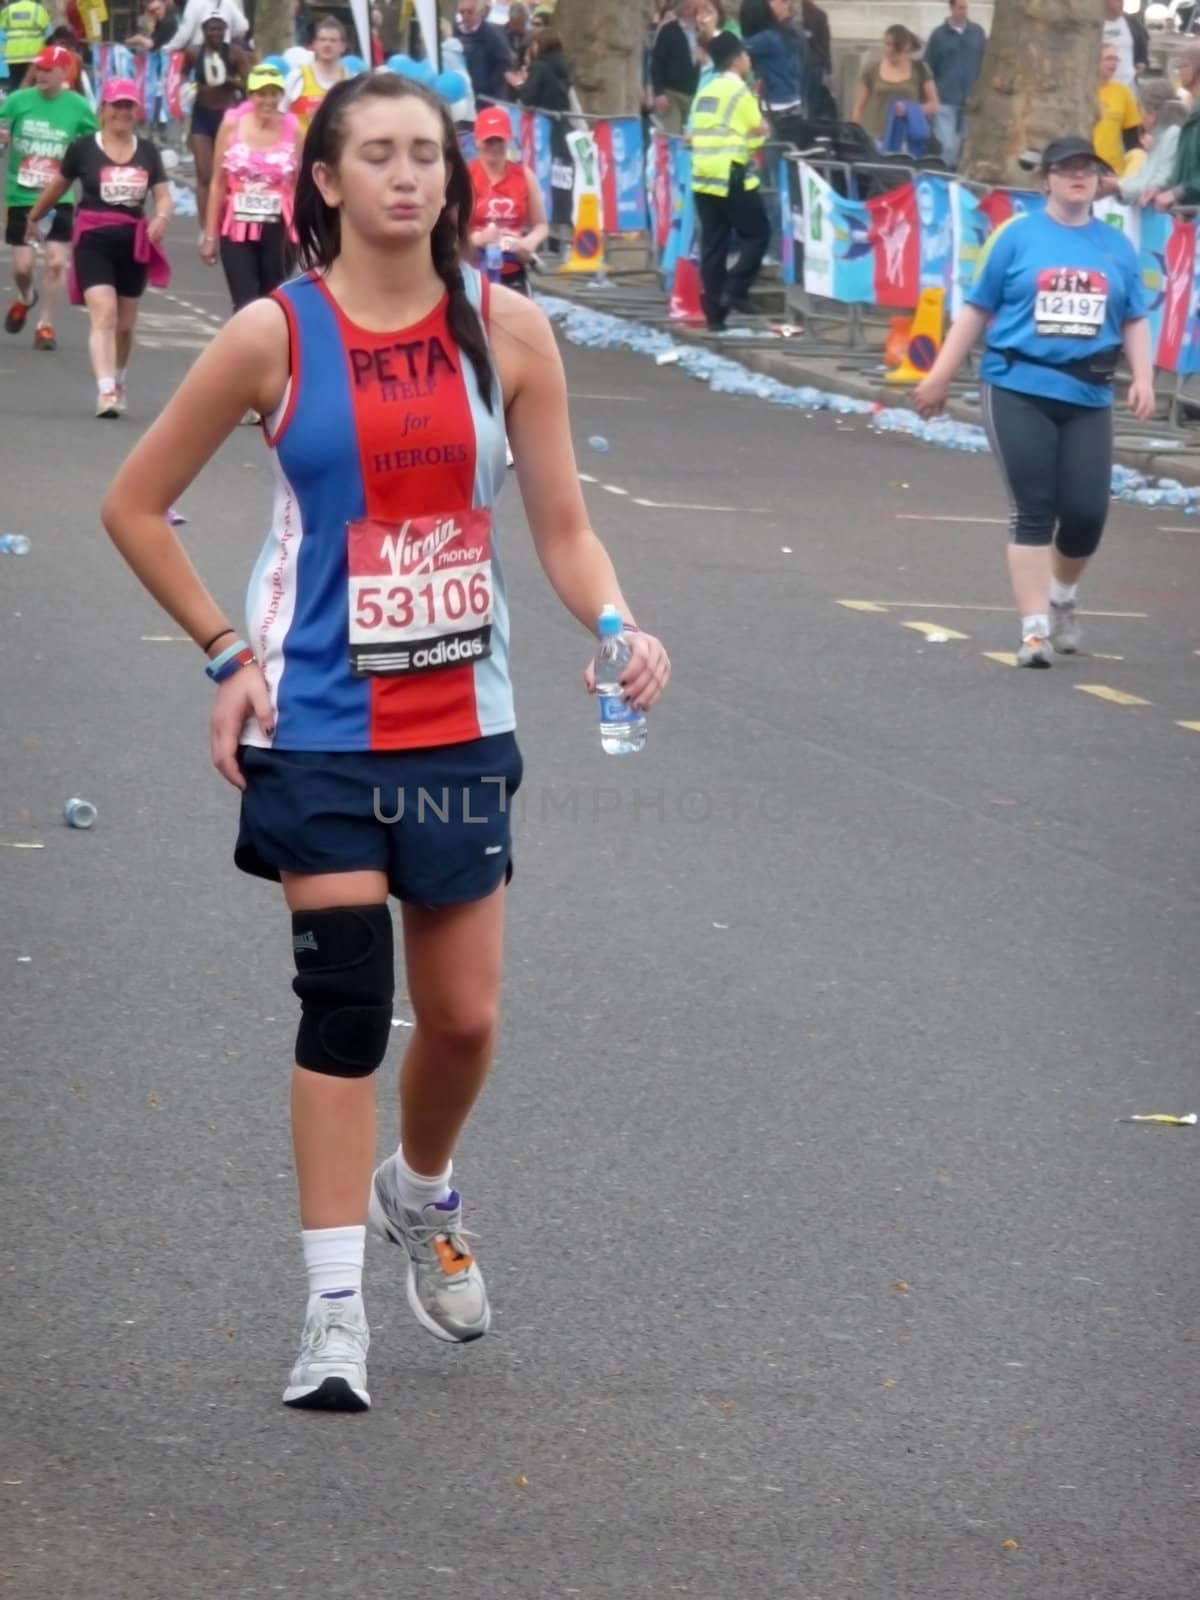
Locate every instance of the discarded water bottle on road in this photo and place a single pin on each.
(79, 813)
(494, 260)
(622, 728)
(14, 544)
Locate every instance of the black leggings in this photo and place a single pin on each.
(1056, 460)
(721, 216)
(255, 266)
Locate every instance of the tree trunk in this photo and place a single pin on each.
(1038, 83)
(603, 42)
(274, 27)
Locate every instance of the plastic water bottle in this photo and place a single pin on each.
(622, 729)
(494, 260)
(79, 813)
(14, 544)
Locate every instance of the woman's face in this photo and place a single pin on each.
(708, 21)
(120, 115)
(1074, 182)
(267, 100)
(390, 182)
(781, 9)
(894, 51)
(1108, 64)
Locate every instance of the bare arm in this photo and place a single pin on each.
(931, 393)
(1135, 340)
(49, 198)
(538, 229)
(572, 557)
(218, 186)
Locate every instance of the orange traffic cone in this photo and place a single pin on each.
(896, 346)
(924, 339)
(685, 292)
(587, 245)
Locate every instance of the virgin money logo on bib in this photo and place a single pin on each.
(420, 593)
(123, 186)
(1071, 302)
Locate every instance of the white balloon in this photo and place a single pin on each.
(298, 56)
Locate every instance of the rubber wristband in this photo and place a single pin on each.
(244, 658)
(216, 668)
(207, 647)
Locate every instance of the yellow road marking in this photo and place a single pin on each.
(1006, 658)
(165, 638)
(923, 516)
(1117, 696)
(929, 629)
(21, 844)
(1192, 727)
(954, 605)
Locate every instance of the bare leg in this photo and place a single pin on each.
(127, 315)
(23, 259)
(101, 303)
(202, 153)
(54, 281)
(333, 1119)
(1067, 569)
(453, 959)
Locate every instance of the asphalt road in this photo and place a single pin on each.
(823, 1266)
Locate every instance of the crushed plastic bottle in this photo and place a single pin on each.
(599, 443)
(15, 544)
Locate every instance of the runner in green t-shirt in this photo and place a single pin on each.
(37, 125)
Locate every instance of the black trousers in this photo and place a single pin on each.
(1056, 459)
(255, 266)
(741, 211)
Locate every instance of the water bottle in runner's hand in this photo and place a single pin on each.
(494, 259)
(622, 729)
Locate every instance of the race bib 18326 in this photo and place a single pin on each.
(1071, 302)
(257, 205)
(420, 593)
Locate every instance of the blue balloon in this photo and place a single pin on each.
(450, 86)
(424, 72)
(354, 65)
(401, 64)
(278, 63)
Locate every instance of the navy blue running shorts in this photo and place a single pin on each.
(438, 821)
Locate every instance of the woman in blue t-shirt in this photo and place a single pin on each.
(1060, 294)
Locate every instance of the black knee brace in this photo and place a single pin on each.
(346, 981)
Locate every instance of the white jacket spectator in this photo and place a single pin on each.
(192, 21)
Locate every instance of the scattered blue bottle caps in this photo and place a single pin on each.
(14, 544)
(599, 443)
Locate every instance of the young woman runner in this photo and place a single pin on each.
(1060, 294)
(375, 666)
(252, 197)
(116, 251)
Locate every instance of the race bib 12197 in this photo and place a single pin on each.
(1071, 302)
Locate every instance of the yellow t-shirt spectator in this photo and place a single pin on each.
(1118, 114)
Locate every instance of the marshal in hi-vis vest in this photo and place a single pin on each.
(25, 25)
(725, 128)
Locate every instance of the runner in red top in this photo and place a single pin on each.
(385, 377)
(509, 212)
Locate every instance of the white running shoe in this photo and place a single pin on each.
(445, 1287)
(106, 404)
(121, 401)
(1035, 652)
(331, 1370)
(1065, 633)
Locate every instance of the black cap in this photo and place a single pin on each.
(1069, 148)
(724, 48)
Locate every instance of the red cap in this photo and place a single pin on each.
(53, 55)
(493, 123)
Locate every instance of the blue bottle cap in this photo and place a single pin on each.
(611, 623)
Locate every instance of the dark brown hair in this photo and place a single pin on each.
(547, 42)
(901, 38)
(319, 227)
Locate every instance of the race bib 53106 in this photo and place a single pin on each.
(1071, 302)
(420, 593)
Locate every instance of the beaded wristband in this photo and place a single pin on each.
(237, 656)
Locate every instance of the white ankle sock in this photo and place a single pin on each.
(333, 1259)
(1035, 626)
(1063, 594)
(120, 378)
(415, 1190)
(106, 385)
